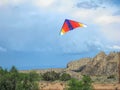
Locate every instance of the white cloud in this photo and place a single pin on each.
(3, 2)
(105, 19)
(44, 3)
(10, 2)
(107, 23)
(114, 47)
(111, 32)
(63, 6)
(2, 49)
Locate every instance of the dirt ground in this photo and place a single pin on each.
(61, 86)
(52, 85)
(106, 86)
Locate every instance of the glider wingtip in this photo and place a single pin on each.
(84, 25)
(61, 33)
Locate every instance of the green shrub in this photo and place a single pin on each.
(74, 84)
(51, 76)
(65, 77)
(111, 77)
(13, 80)
(84, 84)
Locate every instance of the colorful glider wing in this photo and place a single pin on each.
(70, 25)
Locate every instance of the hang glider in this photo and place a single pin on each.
(70, 25)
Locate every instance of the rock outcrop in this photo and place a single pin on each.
(76, 65)
(101, 64)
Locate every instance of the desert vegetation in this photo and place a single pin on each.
(13, 80)
(52, 76)
(84, 84)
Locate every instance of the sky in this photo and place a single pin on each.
(29, 31)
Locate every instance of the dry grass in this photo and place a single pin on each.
(61, 86)
(106, 86)
(52, 85)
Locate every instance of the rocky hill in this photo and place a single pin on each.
(102, 68)
(77, 64)
(101, 64)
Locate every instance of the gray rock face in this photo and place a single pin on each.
(101, 64)
(76, 65)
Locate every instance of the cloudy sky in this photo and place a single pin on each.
(29, 31)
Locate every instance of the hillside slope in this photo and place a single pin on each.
(101, 64)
